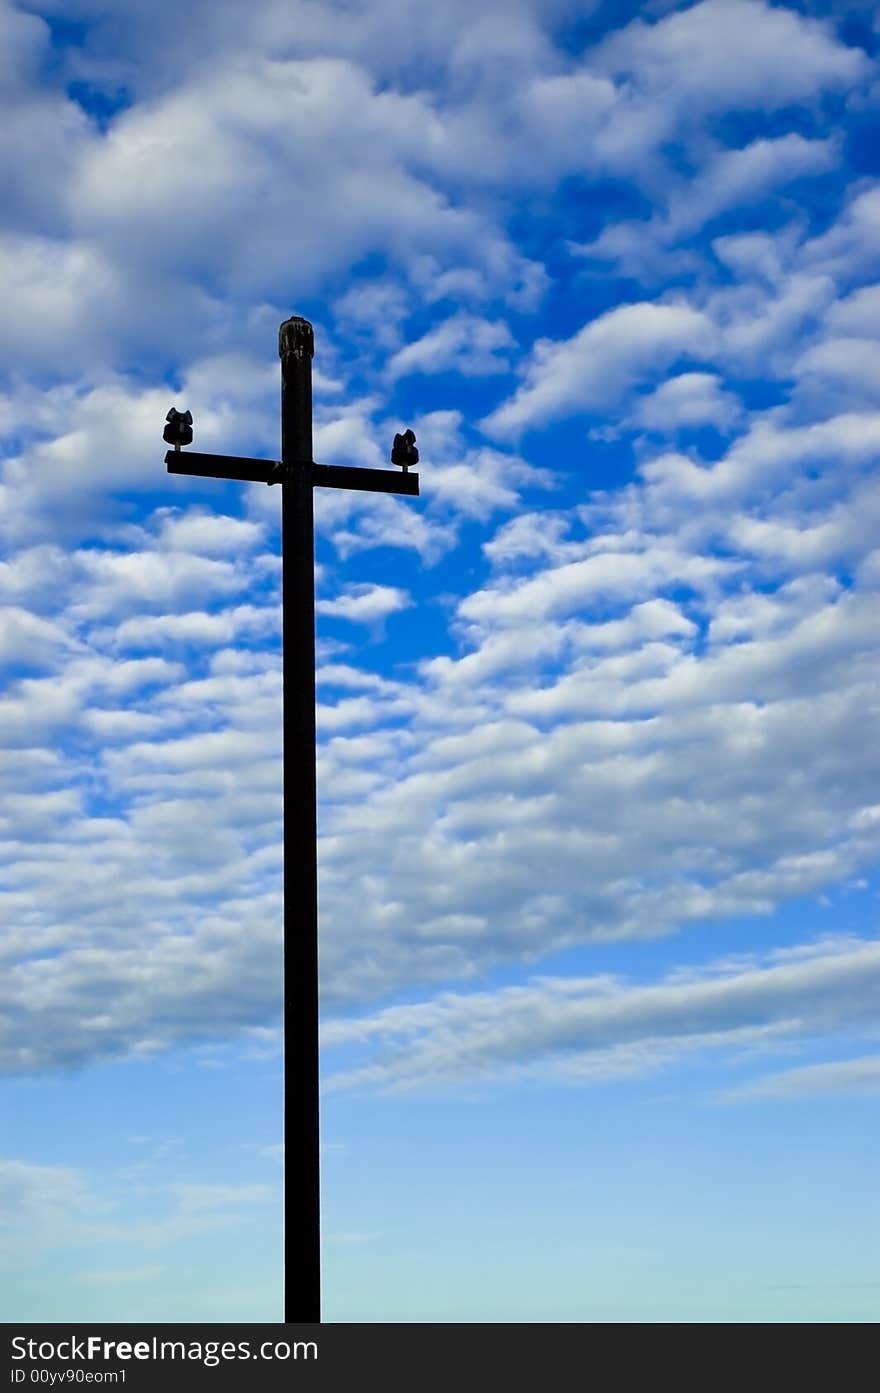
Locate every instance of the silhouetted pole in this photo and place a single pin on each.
(297, 473)
(302, 1243)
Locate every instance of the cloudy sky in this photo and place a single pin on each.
(598, 739)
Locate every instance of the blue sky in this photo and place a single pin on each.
(598, 771)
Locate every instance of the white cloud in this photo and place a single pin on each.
(215, 129)
(27, 639)
(483, 482)
(602, 362)
(570, 587)
(847, 364)
(764, 459)
(587, 1029)
(117, 582)
(528, 536)
(857, 314)
(840, 1078)
(194, 627)
(559, 113)
(762, 256)
(36, 1202)
(463, 343)
(850, 246)
(206, 534)
(730, 54)
(648, 720)
(44, 131)
(690, 399)
(750, 614)
(198, 1199)
(358, 522)
(57, 1209)
(230, 140)
(757, 332)
(725, 179)
(365, 603)
(86, 445)
(809, 657)
(802, 544)
(736, 177)
(56, 292)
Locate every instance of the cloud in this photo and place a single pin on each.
(200, 1198)
(195, 627)
(207, 534)
(55, 292)
(736, 177)
(757, 332)
(591, 1029)
(230, 139)
(567, 588)
(364, 604)
(601, 363)
(771, 465)
(661, 678)
(85, 446)
(463, 343)
(688, 400)
(109, 1001)
(454, 817)
(35, 1202)
(118, 582)
(28, 640)
(847, 365)
(849, 247)
(730, 54)
(45, 132)
(216, 129)
(834, 1080)
(622, 715)
(725, 180)
(858, 313)
(530, 536)
(454, 812)
(48, 1209)
(499, 811)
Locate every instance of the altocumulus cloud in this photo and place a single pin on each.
(618, 651)
(598, 1028)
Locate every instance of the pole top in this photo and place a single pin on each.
(296, 336)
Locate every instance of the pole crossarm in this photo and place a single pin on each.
(266, 471)
(252, 471)
(344, 476)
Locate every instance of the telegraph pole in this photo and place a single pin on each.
(297, 474)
